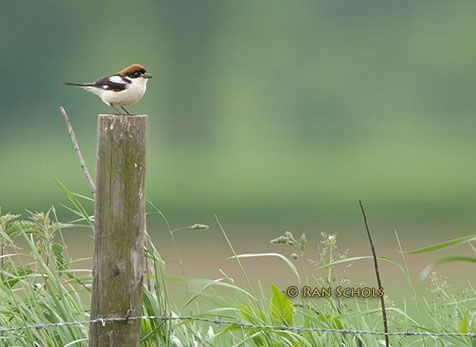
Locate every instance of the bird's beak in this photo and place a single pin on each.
(146, 75)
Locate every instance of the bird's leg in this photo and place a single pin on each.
(125, 110)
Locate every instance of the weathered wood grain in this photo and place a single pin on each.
(119, 229)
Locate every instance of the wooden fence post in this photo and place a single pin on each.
(119, 227)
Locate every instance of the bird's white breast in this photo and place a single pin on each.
(134, 92)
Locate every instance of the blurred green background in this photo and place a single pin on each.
(274, 115)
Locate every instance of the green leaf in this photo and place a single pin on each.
(72, 197)
(463, 326)
(280, 256)
(445, 244)
(281, 307)
(337, 324)
(250, 315)
(302, 242)
(63, 264)
(58, 252)
(258, 341)
(344, 261)
(217, 282)
(15, 273)
(290, 237)
(351, 260)
(456, 258)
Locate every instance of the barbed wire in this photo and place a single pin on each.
(219, 321)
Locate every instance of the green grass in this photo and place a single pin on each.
(41, 284)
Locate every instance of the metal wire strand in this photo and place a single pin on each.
(218, 321)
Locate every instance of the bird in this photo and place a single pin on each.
(122, 89)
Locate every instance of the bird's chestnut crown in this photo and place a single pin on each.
(134, 71)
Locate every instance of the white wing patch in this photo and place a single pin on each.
(117, 79)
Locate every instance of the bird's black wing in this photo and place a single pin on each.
(115, 83)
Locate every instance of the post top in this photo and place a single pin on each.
(128, 116)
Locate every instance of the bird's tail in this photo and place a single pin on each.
(73, 84)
